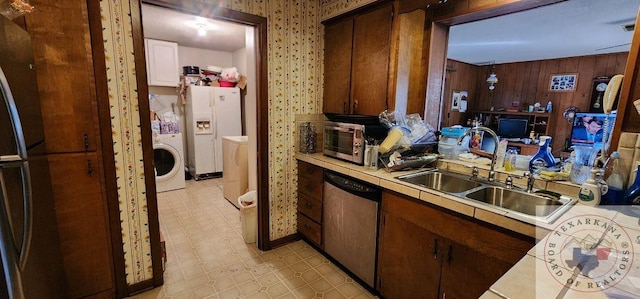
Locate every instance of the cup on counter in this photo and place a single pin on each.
(371, 156)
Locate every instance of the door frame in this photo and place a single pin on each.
(194, 7)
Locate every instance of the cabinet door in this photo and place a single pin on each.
(408, 259)
(370, 66)
(64, 66)
(162, 63)
(337, 66)
(467, 273)
(82, 223)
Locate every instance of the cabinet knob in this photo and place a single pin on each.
(89, 168)
(435, 249)
(86, 142)
(355, 106)
(344, 107)
(308, 205)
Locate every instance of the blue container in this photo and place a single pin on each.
(454, 132)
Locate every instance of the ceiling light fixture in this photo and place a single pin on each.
(492, 78)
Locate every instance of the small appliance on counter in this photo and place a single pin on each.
(345, 135)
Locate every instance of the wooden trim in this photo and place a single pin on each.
(106, 146)
(362, 9)
(141, 287)
(263, 135)
(285, 240)
(147, 143)
(454, 13)
(626, 109)
(260, 24)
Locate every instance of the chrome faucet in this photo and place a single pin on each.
(492, 173)
(530, 180)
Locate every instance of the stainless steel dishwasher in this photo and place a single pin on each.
(350, 223)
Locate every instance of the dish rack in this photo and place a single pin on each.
(409, 162)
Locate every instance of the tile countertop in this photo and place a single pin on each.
(533, 276)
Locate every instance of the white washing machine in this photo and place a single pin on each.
(168, 156)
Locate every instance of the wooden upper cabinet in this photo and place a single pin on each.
(370, 62)
(337, 65)
(65, 80)
(357, 50)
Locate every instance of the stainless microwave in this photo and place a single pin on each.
(346, 141)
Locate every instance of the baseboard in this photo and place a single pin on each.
(284, 240)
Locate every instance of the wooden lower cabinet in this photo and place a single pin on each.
(82, 224)
(310, 182)
(430, 252)
(408, 266)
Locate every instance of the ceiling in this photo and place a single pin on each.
(170, 25)
(566, 29)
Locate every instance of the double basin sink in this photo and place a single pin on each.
(538, 206)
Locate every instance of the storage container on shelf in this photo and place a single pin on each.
(449, 148)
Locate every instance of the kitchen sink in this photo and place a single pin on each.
(541, 206)
(532, 204)
(440, 181)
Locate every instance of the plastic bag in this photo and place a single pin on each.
(230, 74)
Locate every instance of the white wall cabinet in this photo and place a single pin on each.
(162, 63)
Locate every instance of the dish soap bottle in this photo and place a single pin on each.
(632, 195)
(543, 157)
(615, 194)
(510, 160)
(590, 192)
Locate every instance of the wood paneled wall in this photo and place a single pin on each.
(528, 82)
(460, 76)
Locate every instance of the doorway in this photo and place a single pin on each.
(256, 116)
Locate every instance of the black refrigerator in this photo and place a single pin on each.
(29, 243)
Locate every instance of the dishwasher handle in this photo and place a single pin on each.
(353, 186)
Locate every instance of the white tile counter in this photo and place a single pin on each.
(531, 277)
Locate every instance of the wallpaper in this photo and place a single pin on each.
(294, 47)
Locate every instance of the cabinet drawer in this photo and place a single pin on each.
(309, 229)
(312, 188)
(309, 206)
(310, 171)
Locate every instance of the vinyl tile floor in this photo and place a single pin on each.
(208, 258)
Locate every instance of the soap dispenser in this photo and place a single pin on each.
(543, 158)
(591, 191)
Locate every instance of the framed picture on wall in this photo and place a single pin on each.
(563, 82)
(455, 101)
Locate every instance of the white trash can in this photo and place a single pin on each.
(249, 216)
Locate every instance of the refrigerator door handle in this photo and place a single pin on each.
(215, 122)
(8, 249)
(27, 202)
(16, 124)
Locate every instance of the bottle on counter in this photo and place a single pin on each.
(590, 192)
(510, 159)
(616, 180)
(632, 195)
(549, 107)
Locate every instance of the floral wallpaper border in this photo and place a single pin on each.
(294, 49)
(126, 133)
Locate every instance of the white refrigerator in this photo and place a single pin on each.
(211, 113)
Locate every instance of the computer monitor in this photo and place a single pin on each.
(512, 128)
(588, 129)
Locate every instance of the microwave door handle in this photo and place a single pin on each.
(8, 250)
(342, 129)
